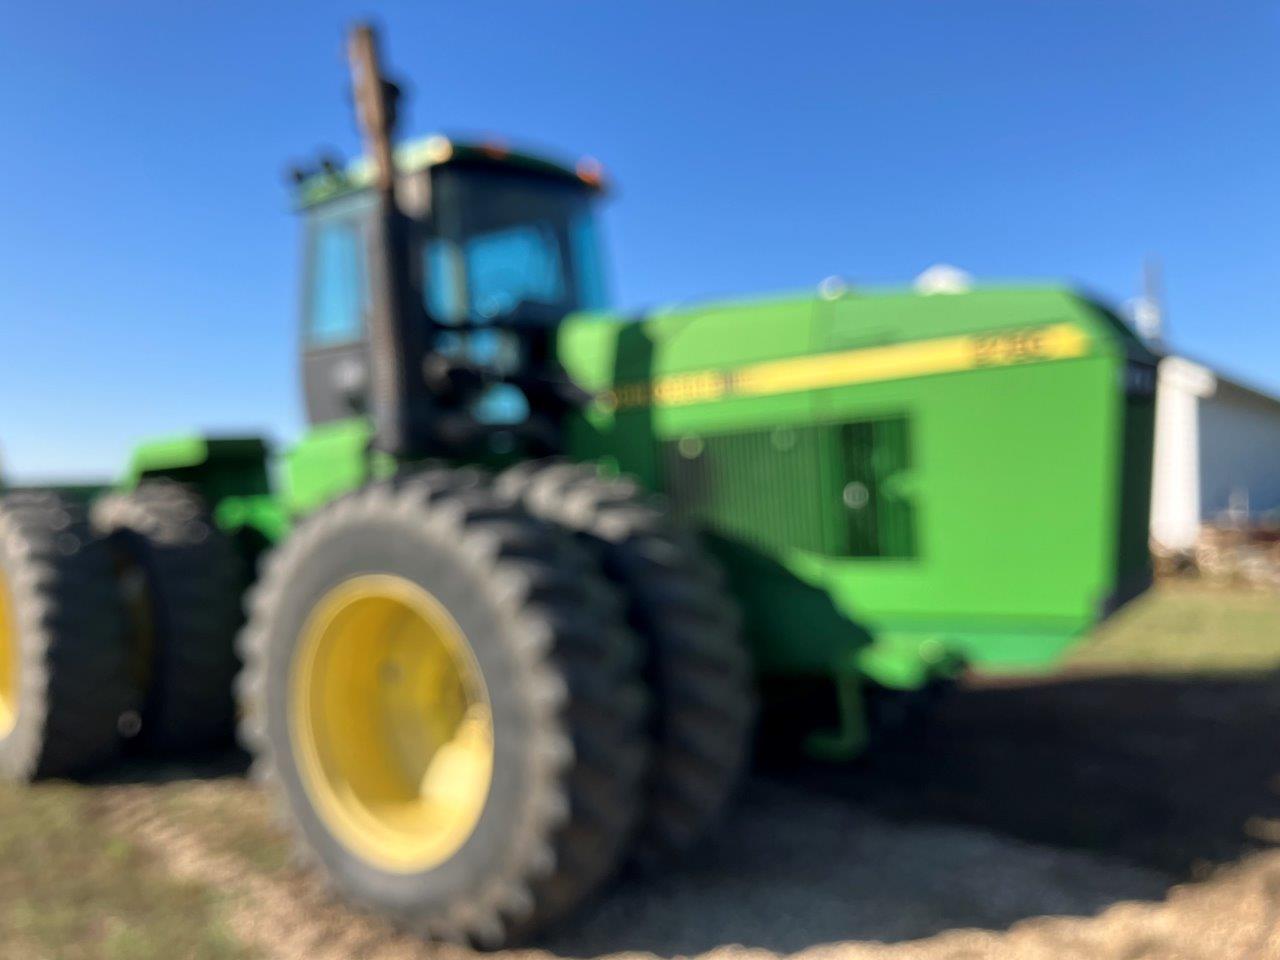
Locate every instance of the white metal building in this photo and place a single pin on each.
(1217, 452)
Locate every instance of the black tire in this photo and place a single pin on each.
(181, 589)
(561, 672)
(65, 640)
(695, 660)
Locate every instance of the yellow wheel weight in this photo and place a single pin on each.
(391, 723)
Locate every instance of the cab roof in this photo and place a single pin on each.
(317, 186)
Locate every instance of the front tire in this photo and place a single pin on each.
(535, 707)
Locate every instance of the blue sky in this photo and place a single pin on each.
(148, 256)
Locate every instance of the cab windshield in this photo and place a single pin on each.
(510, 246)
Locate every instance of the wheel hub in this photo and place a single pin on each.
(391, 723)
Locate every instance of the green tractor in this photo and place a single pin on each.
(524, 591)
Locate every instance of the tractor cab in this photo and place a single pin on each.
(501, 246)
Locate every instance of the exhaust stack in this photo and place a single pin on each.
(398, 397)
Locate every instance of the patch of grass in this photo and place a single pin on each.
(72, 890)
(1188, 628)
(230, 816)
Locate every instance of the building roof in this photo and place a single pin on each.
(1230, 387)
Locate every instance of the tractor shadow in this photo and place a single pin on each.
(1175, 774)
(1018, 799)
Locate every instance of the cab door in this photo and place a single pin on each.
(335, 300)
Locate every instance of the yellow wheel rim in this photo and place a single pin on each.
(9, 666)
(391, 723)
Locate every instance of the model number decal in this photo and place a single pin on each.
(1002, 349)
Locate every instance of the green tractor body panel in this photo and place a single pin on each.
(330, 460)
(897, 483)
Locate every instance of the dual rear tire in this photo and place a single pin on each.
(112, 626)
(540, 697)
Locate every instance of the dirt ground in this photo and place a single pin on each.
(1127, 807)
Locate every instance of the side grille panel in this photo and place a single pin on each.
(834, 489)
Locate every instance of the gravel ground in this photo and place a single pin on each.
(795, 870)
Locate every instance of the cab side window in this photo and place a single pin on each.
(337, 293)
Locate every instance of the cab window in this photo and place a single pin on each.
(337, 288)
(510, 246)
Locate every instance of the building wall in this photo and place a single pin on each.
(1239, 451)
